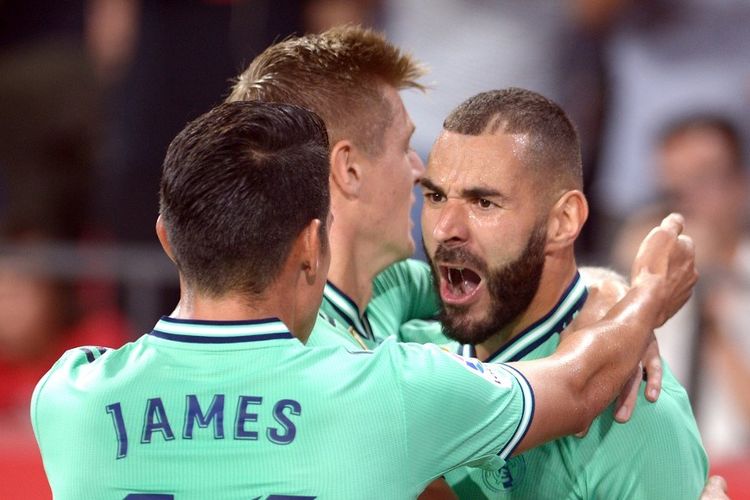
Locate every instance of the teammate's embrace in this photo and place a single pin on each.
(222, 400)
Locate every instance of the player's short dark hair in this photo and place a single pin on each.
(723, 125)
(553, 149)
(339, 74)
(238, 186)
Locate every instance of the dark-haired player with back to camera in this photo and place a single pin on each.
(222, 399)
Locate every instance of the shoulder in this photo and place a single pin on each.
(665, 431)
(73, 360)
(328, 331)
(657, 454)
(430, 365)
(405, 272)
(71, 373)
(74, 364)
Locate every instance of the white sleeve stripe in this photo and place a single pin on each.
(526, 416)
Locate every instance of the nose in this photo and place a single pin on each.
(451, 227)
(417, 166)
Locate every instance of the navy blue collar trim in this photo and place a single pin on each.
(220, 332)
(538, 333)
(353, 318)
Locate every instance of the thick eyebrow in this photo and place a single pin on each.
(481, 192)
(428, 184)
(470, 193)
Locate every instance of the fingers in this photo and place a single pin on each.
(666, 261)
(628, 396)
(673, 223)
(653, 368)
(582, 434)
(716, 489)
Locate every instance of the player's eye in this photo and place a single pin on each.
(484, 203)
(433, 197)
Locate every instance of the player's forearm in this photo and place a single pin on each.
(590, 366)
(601, 357)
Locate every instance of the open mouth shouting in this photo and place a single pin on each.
(459, 284)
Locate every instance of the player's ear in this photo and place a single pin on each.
(346, 168)
(566, 219)
(312, 251)
(161, 233)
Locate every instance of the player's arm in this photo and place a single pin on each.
(606, 287)
(438, 490)
(591, 365)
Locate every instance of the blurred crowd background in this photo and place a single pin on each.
(92, 92)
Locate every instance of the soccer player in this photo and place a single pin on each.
(503, 207)
(222, 400)
(351, 76)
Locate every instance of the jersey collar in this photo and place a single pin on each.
(554, 322)
(220, 332)
(348, 310)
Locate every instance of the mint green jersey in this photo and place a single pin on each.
(657, 454)
(401, 293)
(230, 410)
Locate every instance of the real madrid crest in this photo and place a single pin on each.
(507, 477)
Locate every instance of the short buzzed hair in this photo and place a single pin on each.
(553, 150)
(339, 75)
(238, 186)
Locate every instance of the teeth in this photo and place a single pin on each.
(460, 280)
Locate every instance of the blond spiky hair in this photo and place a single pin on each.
(338, 74)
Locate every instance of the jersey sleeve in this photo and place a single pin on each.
(404, 292)
(55, 411)
(458, 411)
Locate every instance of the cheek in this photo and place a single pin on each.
(427, 221)
(497, 242)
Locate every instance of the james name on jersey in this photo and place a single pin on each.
(245, 423)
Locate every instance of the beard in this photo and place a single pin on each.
(511, 289)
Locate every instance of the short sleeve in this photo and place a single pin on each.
(459, 411)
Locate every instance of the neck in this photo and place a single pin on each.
(237, 306)
(556, 276)
(355, 262)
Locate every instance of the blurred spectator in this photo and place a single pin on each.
(49, 99)
(702, 173)
(43, 316)
(470, 46)
(176, 58)
(178, 67)
(664, 57)
(49, 102)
